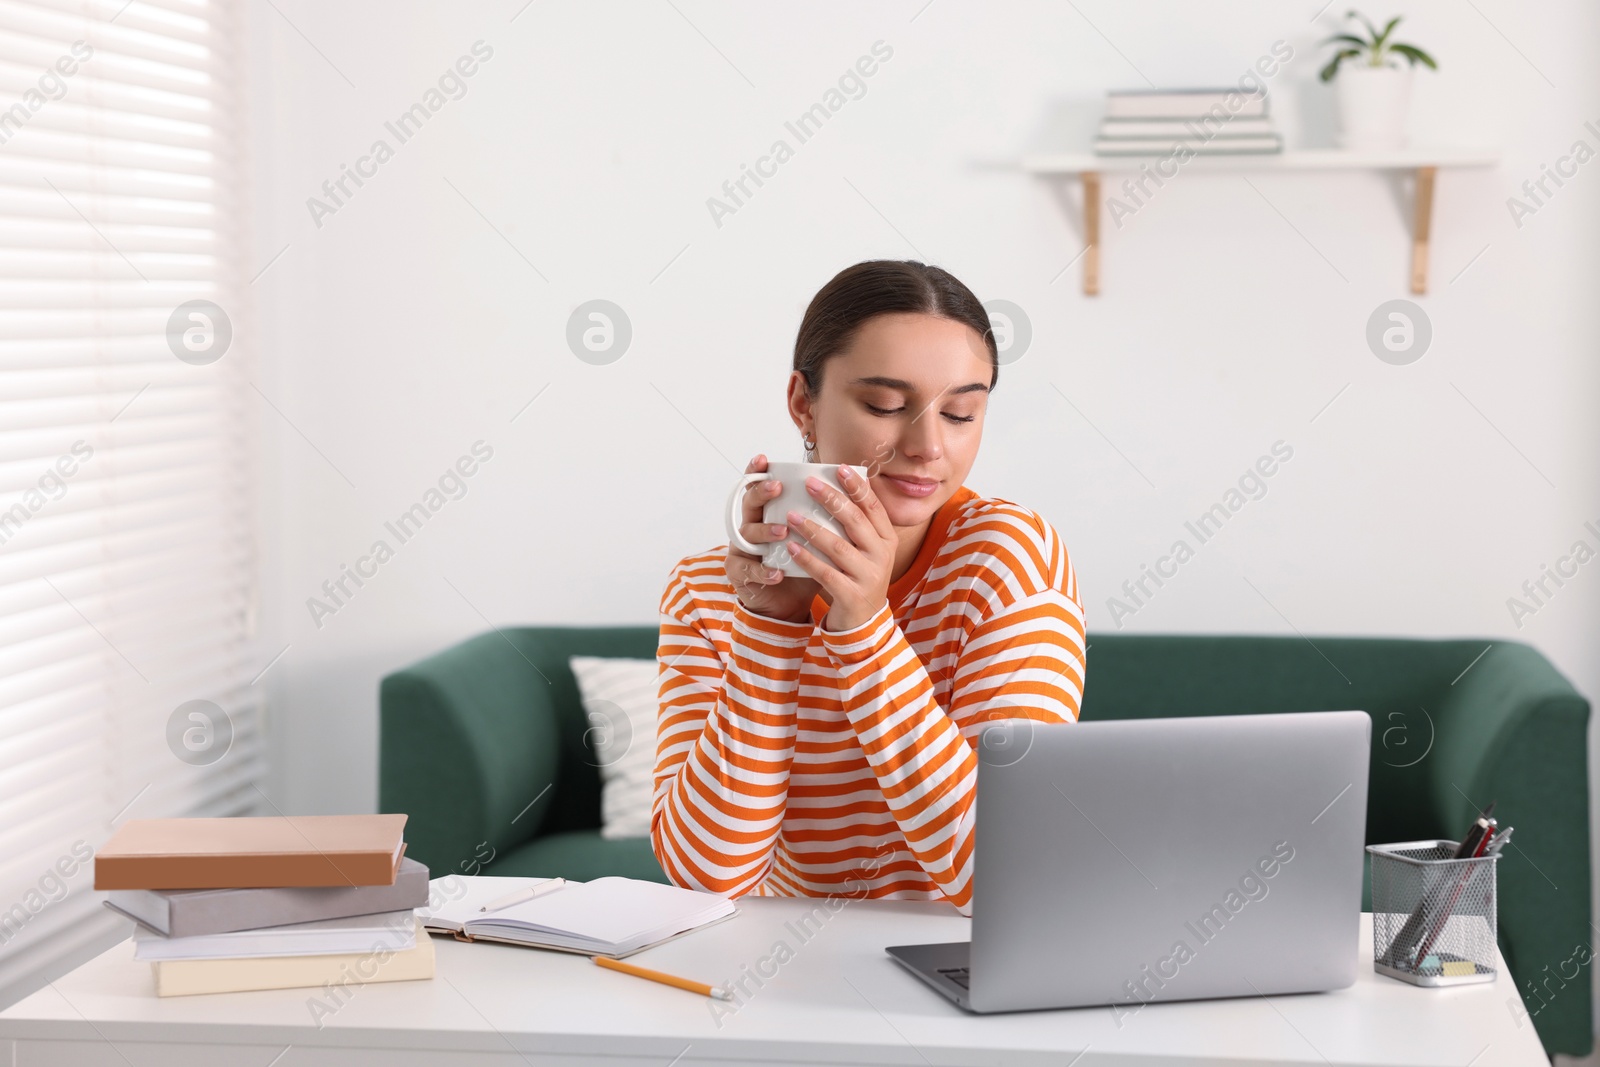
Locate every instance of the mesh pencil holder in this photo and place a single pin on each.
(1433, 917)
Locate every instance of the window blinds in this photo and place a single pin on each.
(127, 593)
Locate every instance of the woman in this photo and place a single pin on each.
(817, 734)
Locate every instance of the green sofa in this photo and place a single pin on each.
(484, 746)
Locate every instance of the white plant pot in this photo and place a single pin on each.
(1374, 103)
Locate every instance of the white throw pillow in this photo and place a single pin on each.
(621, 698)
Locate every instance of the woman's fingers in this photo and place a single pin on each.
(825, 543)
(753, 574)
(859, 529)
(760, 533)
(754, 528)
(756, 495)
(818, 567)
(861, 495)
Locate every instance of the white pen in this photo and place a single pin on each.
(523, 894)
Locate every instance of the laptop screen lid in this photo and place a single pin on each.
(1128, 861)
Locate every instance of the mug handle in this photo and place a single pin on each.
(735, 512)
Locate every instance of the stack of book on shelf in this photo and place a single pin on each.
(1204, 122)
(225, 905)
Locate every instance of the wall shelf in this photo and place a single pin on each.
(1424, 163)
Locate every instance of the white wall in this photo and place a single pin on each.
(405, 328)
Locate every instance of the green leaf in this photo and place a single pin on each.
(1415, 55)
(1333, 64)
(1387, 30)
(1371, 29)
(1346, 38)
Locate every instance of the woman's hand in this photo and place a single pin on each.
(762, 589)
(854, 573)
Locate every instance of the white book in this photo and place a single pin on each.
(1217, 146)
(1182, 103)
(342, 971)
(611, 916)
(394, 930)
(1186, 128)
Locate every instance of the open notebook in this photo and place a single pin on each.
(611, 916)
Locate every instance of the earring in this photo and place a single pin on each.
(809, 442)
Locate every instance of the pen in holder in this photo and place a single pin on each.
(1433, 917)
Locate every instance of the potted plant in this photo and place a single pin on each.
(1374, 94)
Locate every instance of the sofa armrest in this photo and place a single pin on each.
(1513, 730)
(468, 741)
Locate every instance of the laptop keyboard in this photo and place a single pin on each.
(959, 975)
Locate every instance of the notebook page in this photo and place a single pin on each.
(455, 898)
(614, 910)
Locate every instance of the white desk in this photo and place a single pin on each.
(838, 1000)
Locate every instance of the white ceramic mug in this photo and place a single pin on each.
(793, 496)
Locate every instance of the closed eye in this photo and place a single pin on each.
(888, 411)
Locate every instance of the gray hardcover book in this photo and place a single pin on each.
(192, 912)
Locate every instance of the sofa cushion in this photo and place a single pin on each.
(580, 855)
(621, 698)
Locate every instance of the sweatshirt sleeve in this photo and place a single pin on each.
(724, 744)
(1025, 658)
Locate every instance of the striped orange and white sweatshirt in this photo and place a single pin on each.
(794, 761)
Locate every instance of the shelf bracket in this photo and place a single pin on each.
(1421, 228)
(1091, 232)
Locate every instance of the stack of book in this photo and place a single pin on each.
(269, 903)
(1205, 122)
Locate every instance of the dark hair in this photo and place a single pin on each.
(878, 287)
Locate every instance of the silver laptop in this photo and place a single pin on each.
(1124, 862)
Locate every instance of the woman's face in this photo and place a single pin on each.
(906, 400)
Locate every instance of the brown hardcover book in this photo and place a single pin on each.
(246, 852)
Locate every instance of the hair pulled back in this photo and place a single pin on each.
(879, 287)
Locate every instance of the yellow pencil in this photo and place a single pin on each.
(664, 978)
